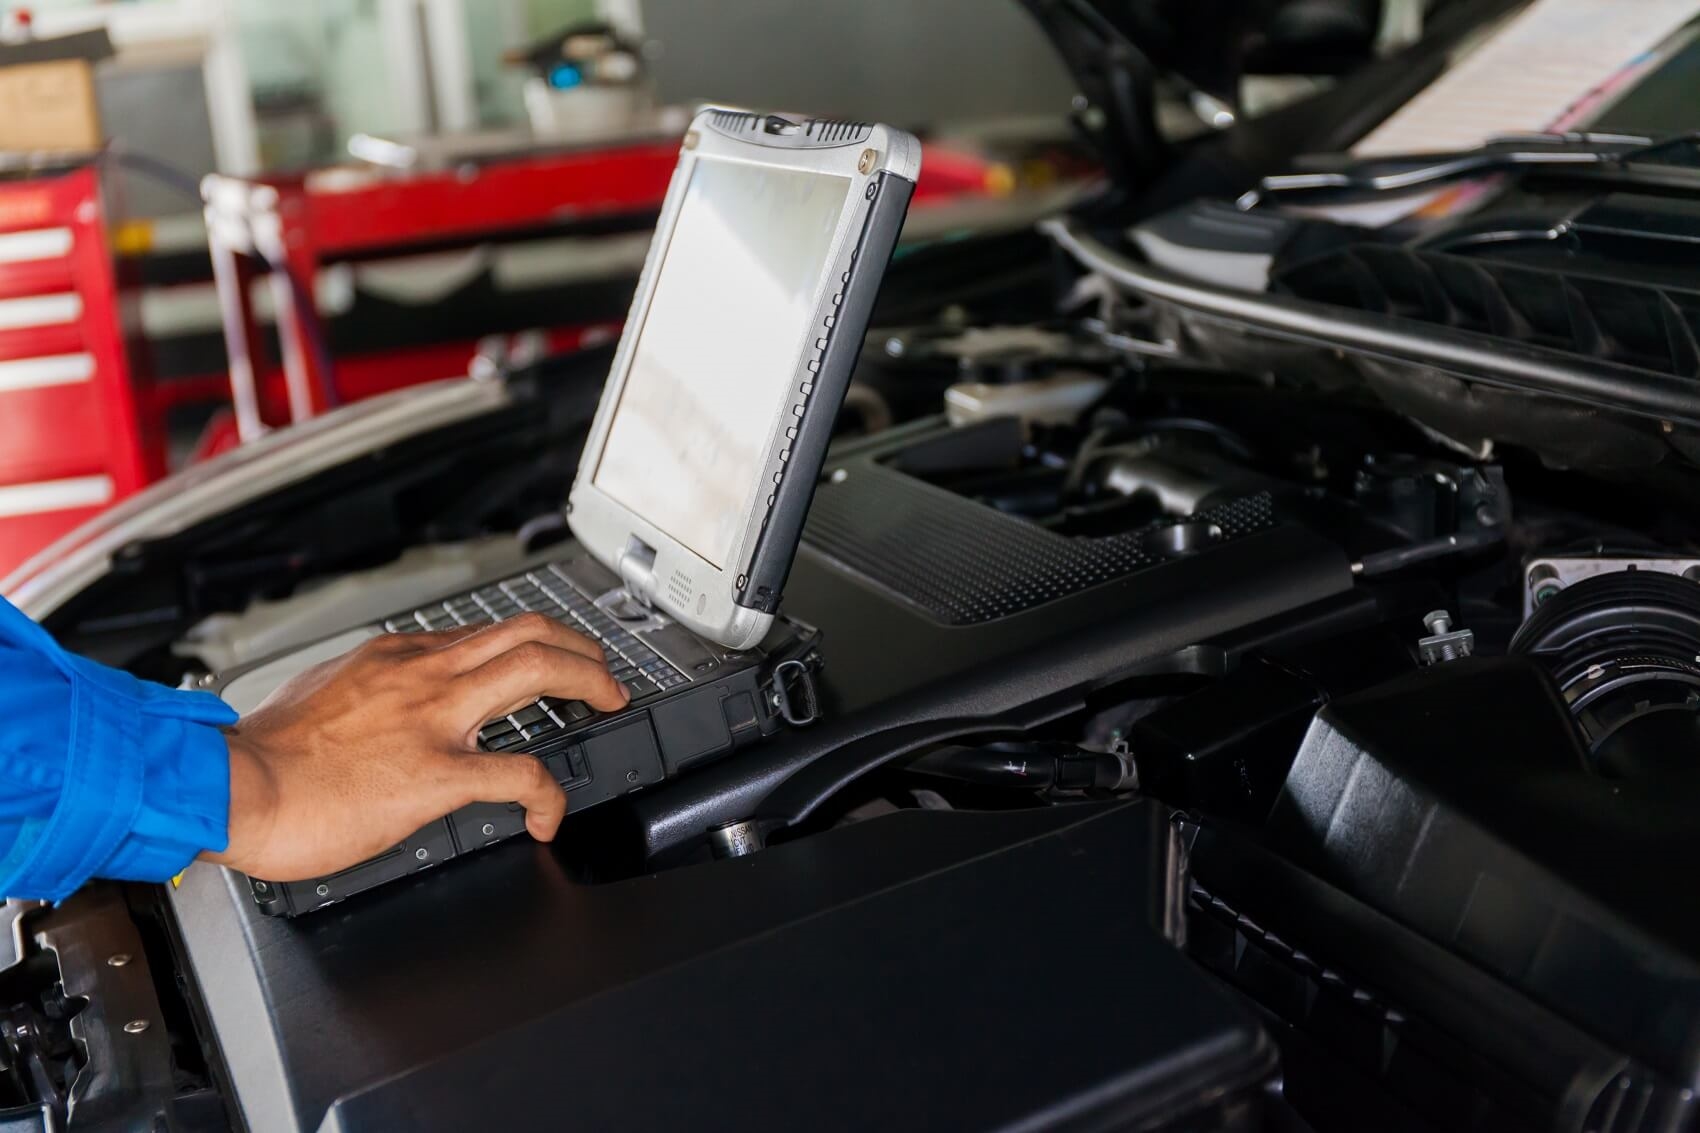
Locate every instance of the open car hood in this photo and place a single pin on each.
(1204, 42)
(1211, 43)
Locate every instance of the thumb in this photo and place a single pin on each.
(522, 779)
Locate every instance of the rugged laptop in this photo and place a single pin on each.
(695, 480)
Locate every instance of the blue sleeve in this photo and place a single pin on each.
(101, 774)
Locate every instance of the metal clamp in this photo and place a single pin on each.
(1444, 642)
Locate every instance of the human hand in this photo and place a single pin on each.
(353, 755)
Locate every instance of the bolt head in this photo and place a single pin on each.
(422, 853)
(489, 829)
(118, 959)
(1437, 621)
(631, 776)
(135, 1026)
(323, 890)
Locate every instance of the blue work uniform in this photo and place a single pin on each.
(101, 774)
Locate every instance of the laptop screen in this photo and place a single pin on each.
(710, 372)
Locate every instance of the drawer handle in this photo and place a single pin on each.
(36, 244)
(50, 370)
(40, 310)
(55, 495)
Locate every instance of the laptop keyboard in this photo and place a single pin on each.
(547, 590)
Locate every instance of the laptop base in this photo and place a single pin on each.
(692, 702)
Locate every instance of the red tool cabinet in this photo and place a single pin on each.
(71, 439)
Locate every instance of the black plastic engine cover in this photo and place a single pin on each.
(921, 971)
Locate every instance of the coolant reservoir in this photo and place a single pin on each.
(1056, 399)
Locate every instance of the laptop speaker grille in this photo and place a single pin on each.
(679, 589)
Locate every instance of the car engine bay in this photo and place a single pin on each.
(1387, 733)
(1265, 698)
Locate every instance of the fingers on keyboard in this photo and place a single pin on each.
(546, 607)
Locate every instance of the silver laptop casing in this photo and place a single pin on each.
(734, 605)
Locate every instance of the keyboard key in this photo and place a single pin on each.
(530, 714)
(569, 711)
(565, 600)
(544, 728)
(531, 720)
(495, 730)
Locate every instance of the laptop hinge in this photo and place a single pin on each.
(637, 570)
